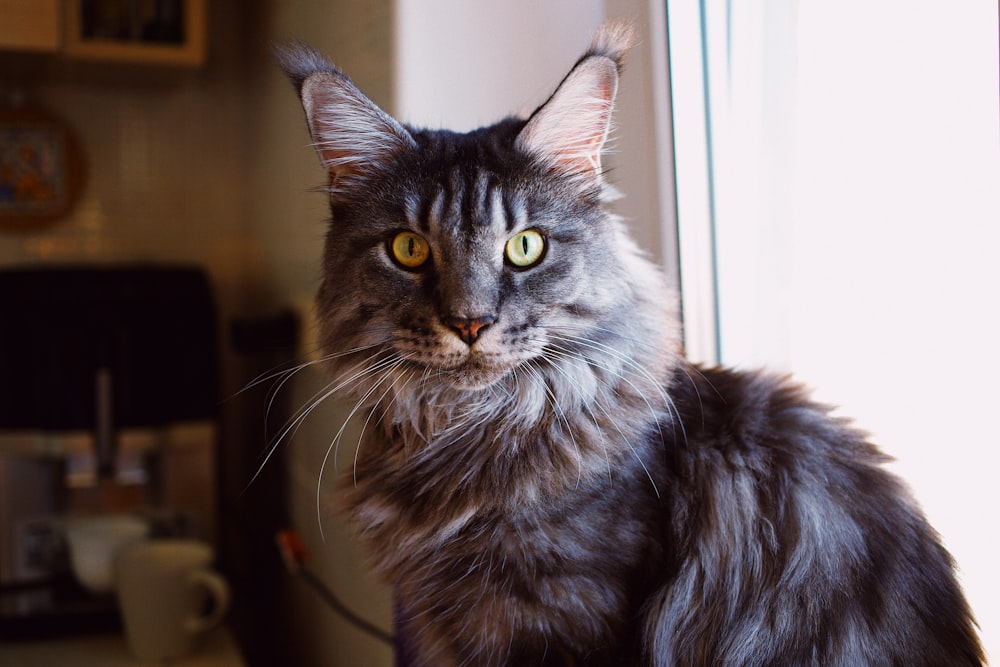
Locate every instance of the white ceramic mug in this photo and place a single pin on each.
(163, 586)
(96, 541)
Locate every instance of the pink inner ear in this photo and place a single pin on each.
(571, 128)
(351, 134)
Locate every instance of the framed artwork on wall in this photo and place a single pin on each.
(155, 32)
(40, 168)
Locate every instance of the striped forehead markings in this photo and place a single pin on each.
(417, 212)
(515, 210)
(470, 200)
(475, 202)
(498, 211)
(436, 211)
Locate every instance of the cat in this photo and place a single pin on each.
(543, 478)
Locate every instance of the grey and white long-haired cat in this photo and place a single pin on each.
(543, 478)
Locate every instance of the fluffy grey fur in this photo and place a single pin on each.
(543, 478)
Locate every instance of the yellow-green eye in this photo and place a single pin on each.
(410, 250)
(525, 249)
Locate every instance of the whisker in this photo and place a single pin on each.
(624, 378)
(295, 421)
(625, 359)
(618, 428)
(586, 408)
(664, 395)
(357, 449)
(388, 365)
(297, 367)
(536, 376)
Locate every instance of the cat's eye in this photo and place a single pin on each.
(410, 250)
(525, 249)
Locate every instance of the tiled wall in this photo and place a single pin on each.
(164, 173)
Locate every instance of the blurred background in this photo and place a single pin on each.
(821, 184)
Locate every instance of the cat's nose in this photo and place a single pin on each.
(468, 329)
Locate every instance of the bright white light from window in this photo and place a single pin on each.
(857, 181)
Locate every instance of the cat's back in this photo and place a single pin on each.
(793, 545)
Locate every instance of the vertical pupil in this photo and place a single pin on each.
(410, 246)
(524, 244)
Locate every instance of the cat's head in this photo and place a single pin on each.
(467, 258)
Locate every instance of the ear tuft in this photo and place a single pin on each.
(299, 61)
(613, 39)
(352, 135)
(569, 131)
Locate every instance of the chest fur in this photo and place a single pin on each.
(566, 574)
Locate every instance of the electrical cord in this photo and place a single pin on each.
(294, 554)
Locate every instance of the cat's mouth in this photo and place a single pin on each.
(472, 372)
(474, 375)
(466, 369)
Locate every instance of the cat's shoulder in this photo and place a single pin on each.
(755, 412)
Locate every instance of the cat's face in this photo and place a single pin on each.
(464, 259)
(471, 263)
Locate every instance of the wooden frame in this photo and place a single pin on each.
(95, 32)
(30, 25)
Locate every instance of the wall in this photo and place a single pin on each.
(212, 167)
(167, 154)
(163, 163)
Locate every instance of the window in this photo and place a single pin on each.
(839, 191)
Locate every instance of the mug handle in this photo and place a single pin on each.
(218, 589)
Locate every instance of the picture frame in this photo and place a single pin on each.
(40, 169)
(154, 32)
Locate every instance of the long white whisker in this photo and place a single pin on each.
(584, 403)
(296, 368)
(624, 378)
(388, 365)
(295, 421)
(667, 399)
(357, 449)
(621, 433)
(536, 376)
(615, 354)
(320, 396)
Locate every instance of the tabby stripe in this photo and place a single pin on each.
(514, 211)
(498, 214)
(474, 199)
(415, 210)
(435, 211)
(454, 189)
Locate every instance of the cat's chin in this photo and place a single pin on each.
(474, 378)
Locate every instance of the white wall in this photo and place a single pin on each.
(857, 180)
(461, 65)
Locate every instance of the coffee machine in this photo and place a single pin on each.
(109, 382)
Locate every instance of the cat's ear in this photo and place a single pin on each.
(569, 131)
(352, 135)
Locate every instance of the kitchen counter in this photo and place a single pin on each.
(216, 649)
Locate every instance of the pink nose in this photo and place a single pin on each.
(468, 328)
